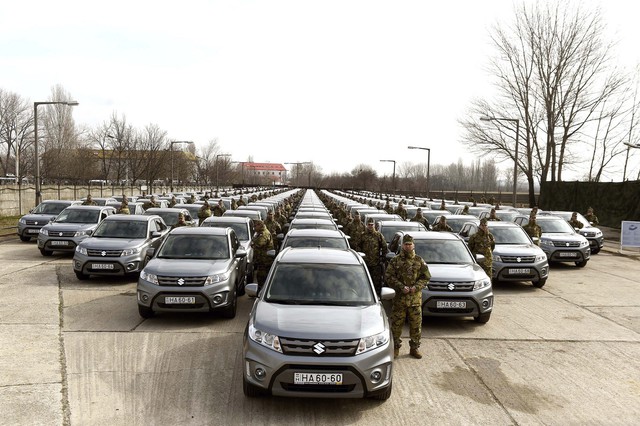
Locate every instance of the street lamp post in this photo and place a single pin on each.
(218, 173)
(298, 164)
(515, 162)
(171, 146)
(35, 140)
(428, 164)
(394, 173)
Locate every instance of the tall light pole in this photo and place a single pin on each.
(394, 173)
(171, 146)
(515, 161)
(428, 164)
(218, 173)
(298, 164)
(35, 140)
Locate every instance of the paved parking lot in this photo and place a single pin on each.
(77, 353)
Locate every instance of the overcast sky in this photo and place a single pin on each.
(338, 83)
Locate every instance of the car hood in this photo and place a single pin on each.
(517, 250)
(43, 218)
(456, 273)
(319, 322)
(53, 227)
(111, 243)
(561, 236)
(186, 267)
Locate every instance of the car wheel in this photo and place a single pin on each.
(145, 312)
(595, 251)
(483, 318)
(385, 394)
(581, 264)
(81, 276)
(230, 311)
(25, 239)
(45, 252)
(540, 283)
(251, 390)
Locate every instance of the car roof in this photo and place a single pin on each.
(309, 232)
(132, 217)
(201, 230)
(81, 207)
(501, 224)
(175, 210)
(319, 255)
(228, 219)
(387, 223)
(431, 235)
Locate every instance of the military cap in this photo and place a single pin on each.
(371, 220)
(407, 239)
(258, 222)
(483, 221)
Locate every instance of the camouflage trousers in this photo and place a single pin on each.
(376, 273)
(488, 268)
(399, 314)
(261, 272)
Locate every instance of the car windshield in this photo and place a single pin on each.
(510, 235)
(209, 247)
(339, 243)
(456, 224)
(49, 208)
(241, 230)
(316, 284)
(567, 216)
(170, 218)
(121, 229)
(311, 226)
(78, 216)
(555, 226)
(443, 251)
(389, 231)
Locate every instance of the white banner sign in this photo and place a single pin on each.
(630, 234)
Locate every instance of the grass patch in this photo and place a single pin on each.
(9, 224)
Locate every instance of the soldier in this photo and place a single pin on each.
(241, 202)
(124, 207)
(574, 222)
(89, 201)
(442, 225)
(180, 221)
(420, 218)
(482, 242)
(374, 246)
(591, 217)
(204, 212)
(150, 203)
(279, 217)
(442, 205)
(465, 209)
(219, 209)
(401, 211)
(407, 274)
(533, 229)
(234, 204)
(261, 243)
(492, 215)
(272, 225)
(192, 199)
(355, 231)
(173, 201)
(387, 207)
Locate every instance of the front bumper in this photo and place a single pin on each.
(475, 303)
(207, 298)
(521, 272)
(107, 266)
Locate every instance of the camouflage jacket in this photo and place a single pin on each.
(178, 225)
(204, 213)
(576, 224)
(261, 243)
(423, 220)
(123, 210)
(89, 203)
(402, 212)
(407, 270)
(218, 211)
(592, 218)
(533, 230)
(355, 231)
(482, 243)
(373, 245)
(442, 227)
(149, 205)
(273, 226)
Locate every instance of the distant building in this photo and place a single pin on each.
(265, 173)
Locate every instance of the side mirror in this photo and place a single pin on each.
(387, 293)
(480, 258)
(151, 252)
(155, 234)
(240, 253)
(271, 253)
(251, 289)
(90, 232)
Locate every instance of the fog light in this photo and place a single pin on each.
(131, 266)
(217, 299)
(259, 373)
(486, 303)
(376, 375)
(145, 297)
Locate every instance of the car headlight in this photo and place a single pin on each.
(22, 221)
(372, 342)
(217, 278)
(598, 234)
(268, 340)
(497, 258)
(81, 250)
(129, 252)
(80, 233)
(584, 243)
(485, 282)
(44, 231)
(152, 278)
(541, 257)
(547, 243)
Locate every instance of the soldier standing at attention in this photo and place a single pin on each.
(407, 274)
(401, 211)
(272, 225)
(591, 217)
(150, 203)
(374, 246)
(241, 202)
(420, 218)
(356, 230)
(574, 222)
(180, 222)
(124, 207)
(192, 199)
(492, 214)
(89, 201)
(219, 209)
(465, 209)
(173, 201)
(204, 212)
(482, 242)
(533, 229)
(442, 205)
(261, 243)
(442, 225)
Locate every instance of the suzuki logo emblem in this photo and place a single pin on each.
(180, 281)
(60, 234)
(451, 286)
(103, 253)
(319, 348)
(567, 244)
(518, 259)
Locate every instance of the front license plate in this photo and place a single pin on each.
(317, 378)
(59, 243)
(567, 254)
(33, 231)
(519, 271)
(179, 300)
(444, 304)
(102, 266)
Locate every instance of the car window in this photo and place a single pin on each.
(509, 235)
(195, 247)
(160, 225)
(555, 226)
(443, 251)
(50, 208)
(339, 243)
(77, 216)
(121, 229)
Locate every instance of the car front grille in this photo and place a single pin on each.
(514, 259)
(589, 234)
(304, 347)
(566, 243)
(450, 286)
(104, 253)
(62, 233)
(181, 281)
(41, 222)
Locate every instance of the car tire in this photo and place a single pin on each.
(145, 312)
(483, 318)
(81, 276)
(251, 390)
(45, 252)
(595, 251)
(540, 283)
(385, 394)
(25, 239)
(582, 264)
(229, 312)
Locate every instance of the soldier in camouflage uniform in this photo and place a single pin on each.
(374, 246)
(420, 218)
(407, 274)
(533, 229)
(173, 201)
(401, 211)
(241, 201)
(89, 201)
(192, 199)
(219, 209)
(151, 203)
(124, 208)
(492, 215)
(465, 210)
(355, 231)
(443, 205)
(272, 225)
(482, 242)
(591, 217)
(279, 217)
(574, 222)
(442, 225)
(234, 204)
(180, 222)
(204, 212)
(388, 208)
(261, 243)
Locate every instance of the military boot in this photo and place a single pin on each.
(396, 352)
(415, 353)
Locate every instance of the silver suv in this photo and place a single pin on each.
(195, 269)
(317, 329)
(591, 233)
(119, 245)
(29, 225)
(70, 227)
(515, 257)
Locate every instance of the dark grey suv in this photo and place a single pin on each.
(29, 225)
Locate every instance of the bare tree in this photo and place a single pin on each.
(16, 127)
